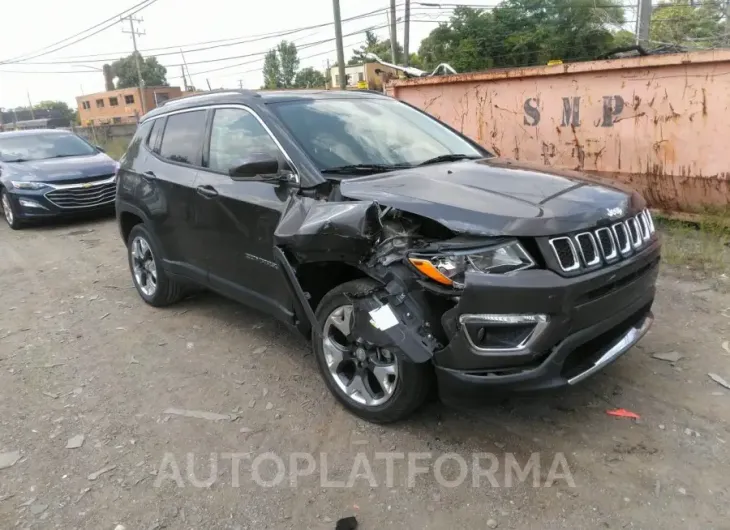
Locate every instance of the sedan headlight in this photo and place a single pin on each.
(28, 185)
(450, 268)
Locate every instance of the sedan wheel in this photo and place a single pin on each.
(8, 211)
(144, 267)
(367, 375)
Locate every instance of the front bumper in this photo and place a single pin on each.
(63, 200)
(592, 320)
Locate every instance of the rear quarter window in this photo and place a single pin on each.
(153, 140)
(140, 136)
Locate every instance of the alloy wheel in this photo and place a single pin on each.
(367, 374)
(7, 209)
(144, 267)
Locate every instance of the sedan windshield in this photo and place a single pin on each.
(370, 134)
(28, 147)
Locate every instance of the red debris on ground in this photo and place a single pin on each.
(623, 413)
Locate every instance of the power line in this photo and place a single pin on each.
(308, 45)
(94, 58)
(360, 43)
(260, 54)
(239, 40)
(134, 9)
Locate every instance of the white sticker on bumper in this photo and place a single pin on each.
(383, 318)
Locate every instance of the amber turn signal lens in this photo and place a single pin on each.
(428, 269)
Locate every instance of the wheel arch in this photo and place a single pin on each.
(320, 277)
(129, 216)
(127, 221)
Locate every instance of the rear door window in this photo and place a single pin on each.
(183, 138)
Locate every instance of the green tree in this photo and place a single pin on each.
(125, 70)
(623, 39)
(289, 63)
(309, 78)
(522, 33)
(281, 65)
(61, 107)
(272, 70)
(680, 22)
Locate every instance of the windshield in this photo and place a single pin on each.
(28, 147)
(377, 131)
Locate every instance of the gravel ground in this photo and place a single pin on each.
(96, 432)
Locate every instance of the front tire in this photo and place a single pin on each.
(152, 283)
(374, 383)
(9, 213)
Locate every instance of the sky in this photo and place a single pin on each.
(172, 24)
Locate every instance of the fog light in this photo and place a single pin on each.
(28, 203)
(493, 333)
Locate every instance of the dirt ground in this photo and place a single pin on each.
(81, 355)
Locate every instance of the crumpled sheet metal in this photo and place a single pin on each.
(318, 229)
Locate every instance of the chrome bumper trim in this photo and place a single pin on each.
(619, 348)
(540, 321)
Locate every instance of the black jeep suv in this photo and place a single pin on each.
(404, 249)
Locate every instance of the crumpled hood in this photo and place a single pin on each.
(496, 196)
(60, 169)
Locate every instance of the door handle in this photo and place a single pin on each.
(207, 191)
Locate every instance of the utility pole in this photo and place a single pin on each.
(328, 77)
(185, 63)
(30, 106)
(406, 32)
(340, 48)
(240, 84)
(137, 57)
(644, 22)
(185, 81)
(393, 33)
(727, 23)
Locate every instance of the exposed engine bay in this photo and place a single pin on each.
(405, 312)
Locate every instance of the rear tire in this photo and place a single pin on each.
(150, 279)
(413, 383)
(9, 213)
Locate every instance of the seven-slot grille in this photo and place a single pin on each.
(603, 245)
(86, 195)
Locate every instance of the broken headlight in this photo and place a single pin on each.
(450, 268)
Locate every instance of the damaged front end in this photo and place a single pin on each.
(488, 312)
(376, 240)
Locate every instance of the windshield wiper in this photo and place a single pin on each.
(366, 169)
(451, 157)
(15, 160)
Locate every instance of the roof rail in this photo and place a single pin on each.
(242, 91)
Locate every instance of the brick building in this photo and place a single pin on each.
(122, 105)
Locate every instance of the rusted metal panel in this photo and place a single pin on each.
(659, 123)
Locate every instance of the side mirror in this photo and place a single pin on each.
(100, 149)
(255, 165)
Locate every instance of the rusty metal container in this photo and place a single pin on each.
(658, 123)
